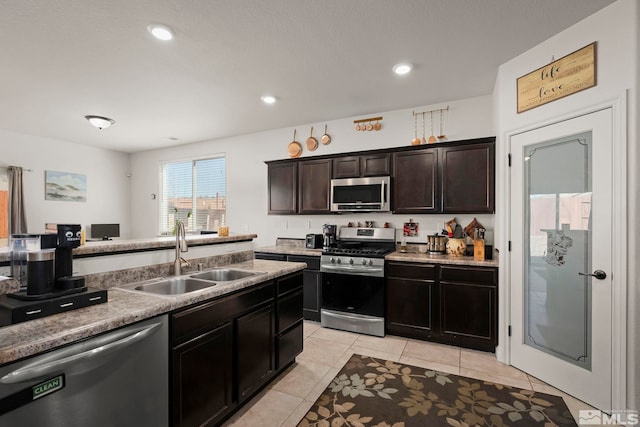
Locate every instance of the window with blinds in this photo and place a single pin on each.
(194, 192)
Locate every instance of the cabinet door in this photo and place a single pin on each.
(202, 378)
(412, 300)
(254, 350)
(314, 180)
(312, 278)
(468, 175)
(346, 167)
(282, 188)
(417, 318)
(375, 165)
(311, 295)
(469, 306)
(415, 181)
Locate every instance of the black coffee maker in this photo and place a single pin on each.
(69, 237)
(329, 232)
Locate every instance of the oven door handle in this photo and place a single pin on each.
(370, 271)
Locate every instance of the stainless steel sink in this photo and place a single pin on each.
(225, 274)
(174, 286)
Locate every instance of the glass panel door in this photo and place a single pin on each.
(561, 255)
(557, 247)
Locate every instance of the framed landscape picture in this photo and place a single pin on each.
(65, 186)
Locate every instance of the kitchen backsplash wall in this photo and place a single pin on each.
(247, 173)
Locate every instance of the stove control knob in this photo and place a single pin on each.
(364, 262)
(338, 261)
(370, 262)
(350, 260)
(333, 260)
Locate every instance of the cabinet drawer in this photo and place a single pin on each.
(411, 271)
(313, 262)
(289, 283)
(193, 321)
(479, 275)
(289, 310)
(289, 345)
(270, 256)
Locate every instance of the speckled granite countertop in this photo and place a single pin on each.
(293, 249)
(135, 245)
(123, 307)
(439, 259)
(290, 250)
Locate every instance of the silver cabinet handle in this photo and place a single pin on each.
(598, 274)
(105, 344)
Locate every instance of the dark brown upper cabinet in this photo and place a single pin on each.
(457, 178)
(361, 166)
(282, 188)
(468, 175)
(451, 177)
(415, 184)
(314, 179)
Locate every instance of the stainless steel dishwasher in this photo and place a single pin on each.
(116, 379)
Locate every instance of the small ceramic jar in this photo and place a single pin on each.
(456, 247)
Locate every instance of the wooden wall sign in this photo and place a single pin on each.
(566, 76)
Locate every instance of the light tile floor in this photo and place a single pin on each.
(288, 398)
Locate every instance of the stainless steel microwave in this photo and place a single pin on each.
(361, 194)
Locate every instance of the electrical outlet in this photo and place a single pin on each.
(309, 225)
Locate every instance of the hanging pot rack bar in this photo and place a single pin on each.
(372, 119)
(417, 113)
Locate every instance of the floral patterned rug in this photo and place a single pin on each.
(379, 393)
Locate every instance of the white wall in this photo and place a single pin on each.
(615, 29)
(247, 173)
(108, 199)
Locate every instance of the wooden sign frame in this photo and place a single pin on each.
(566, 76)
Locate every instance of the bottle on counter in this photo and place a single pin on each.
(478, 244)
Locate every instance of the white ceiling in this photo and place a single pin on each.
(323, 59)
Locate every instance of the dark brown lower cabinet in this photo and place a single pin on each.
(312, 283)
(449, 304)
(468, 306)
(412, 300)
(225, 350)
(255, 355)
(203, 364)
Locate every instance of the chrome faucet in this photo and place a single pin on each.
(181, 246)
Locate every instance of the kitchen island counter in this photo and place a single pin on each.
(123, 307)
(118, 246)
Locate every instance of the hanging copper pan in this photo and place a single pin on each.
(325, 139)
(312, 143)
(294, 148)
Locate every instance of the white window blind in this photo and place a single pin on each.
(194, 192)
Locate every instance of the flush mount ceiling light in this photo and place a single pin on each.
(160, 31)
(99, 121)
(268, 99)
(402, 69)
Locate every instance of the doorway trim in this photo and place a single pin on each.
(620, 286)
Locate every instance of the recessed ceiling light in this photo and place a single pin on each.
(160, 31)
(402, 69)
(268, 99)
(99, 121)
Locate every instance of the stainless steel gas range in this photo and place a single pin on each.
(353, 280)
